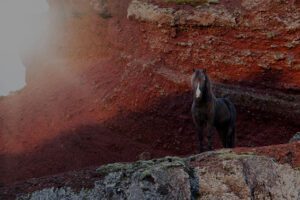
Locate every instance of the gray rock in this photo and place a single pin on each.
(212, 175)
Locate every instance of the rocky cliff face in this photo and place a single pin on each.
(212, 175)
(241, 41)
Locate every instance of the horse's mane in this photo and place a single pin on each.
(208, 87)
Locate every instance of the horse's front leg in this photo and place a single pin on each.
(209, 136)
(200, 138)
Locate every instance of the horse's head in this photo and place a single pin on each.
(199, 78)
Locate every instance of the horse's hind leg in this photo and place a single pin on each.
(200, 139)
(223, 136)
(209, 137)
(227, 137)
(230, 138)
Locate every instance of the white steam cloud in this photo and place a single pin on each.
(21, 26)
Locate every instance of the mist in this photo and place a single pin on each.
(21, 27)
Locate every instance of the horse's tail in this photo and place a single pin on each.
(231, 129)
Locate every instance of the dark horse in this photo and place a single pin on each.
(209, 111)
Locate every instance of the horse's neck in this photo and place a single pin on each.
(207, 99)
(209, 95)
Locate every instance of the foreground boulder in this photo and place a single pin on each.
(212, 175)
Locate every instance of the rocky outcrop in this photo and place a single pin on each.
(218, 14)
(201, 16)
(212, 175)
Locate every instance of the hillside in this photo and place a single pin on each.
(114, 87)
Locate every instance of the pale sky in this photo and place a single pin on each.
(19, 26)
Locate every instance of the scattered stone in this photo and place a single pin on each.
(296, 67)
(271, 34)
(185, 44)
(148, 12)
(292, 44)
(101, 7)
(259, 5)
(293, 26)
(279, 56)
(264, 66)
(145, 156)
(290, 61)
(173, 32)
(241, 36)
(273, 46)
(295, 138)
(246, 53)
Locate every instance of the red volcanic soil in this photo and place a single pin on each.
(93, 98)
